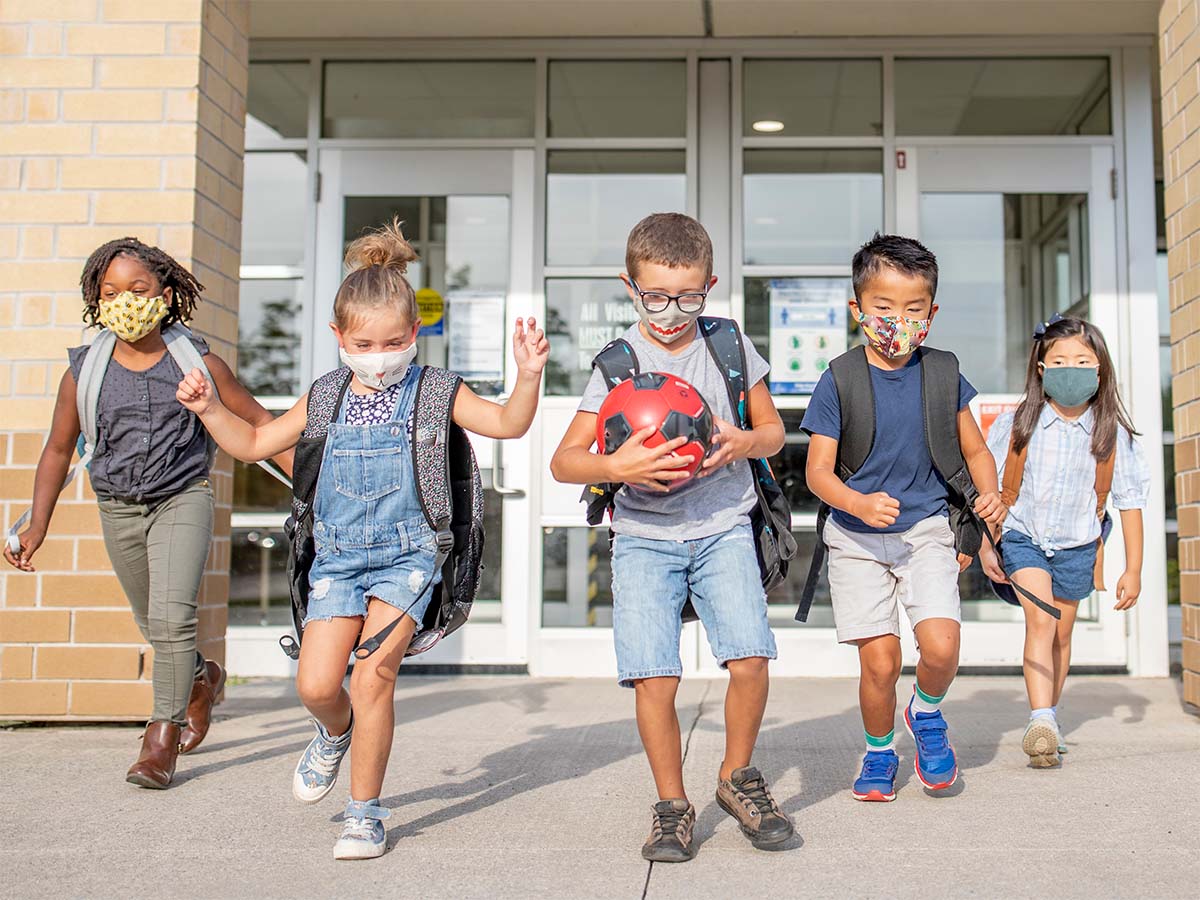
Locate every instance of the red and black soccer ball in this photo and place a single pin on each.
(658, 400)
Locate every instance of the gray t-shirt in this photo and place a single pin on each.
(700, 507)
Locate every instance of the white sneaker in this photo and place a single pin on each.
(363, 836)
(1040, 743)
(317, 771)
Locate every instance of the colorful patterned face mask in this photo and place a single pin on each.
(894, 336)
(131, 317)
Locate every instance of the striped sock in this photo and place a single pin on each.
(925, 703)
(881, 744)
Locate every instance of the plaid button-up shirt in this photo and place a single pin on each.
(1056, 508)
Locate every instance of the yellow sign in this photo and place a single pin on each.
(432, 308)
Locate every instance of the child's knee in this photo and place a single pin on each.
(315, 691)
(656, 690)
(369, 681)
(752, 669)
(880, 665)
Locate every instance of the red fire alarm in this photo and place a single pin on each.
(901, 159)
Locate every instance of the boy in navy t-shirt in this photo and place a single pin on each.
(889, 537)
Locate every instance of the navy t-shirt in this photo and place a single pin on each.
(899, 463)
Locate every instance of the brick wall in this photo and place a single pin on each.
(116, 117)
(1179, 47)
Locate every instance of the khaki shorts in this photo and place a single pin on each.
(870, 575)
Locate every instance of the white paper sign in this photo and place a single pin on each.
(808, 329)
(475, 334)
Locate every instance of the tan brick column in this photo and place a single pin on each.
(1180, 60)
(117, 117)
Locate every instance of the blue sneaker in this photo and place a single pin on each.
(935, 763)
(317, 770)
(363, 836)
(877, 780)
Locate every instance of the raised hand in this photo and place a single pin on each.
(531, 350)
(195, 393)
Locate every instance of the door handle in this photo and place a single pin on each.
(498, 465)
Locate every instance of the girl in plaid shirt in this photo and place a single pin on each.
(1069, 440)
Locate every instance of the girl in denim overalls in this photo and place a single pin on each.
(375, 551)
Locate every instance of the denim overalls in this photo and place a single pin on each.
(371, 537)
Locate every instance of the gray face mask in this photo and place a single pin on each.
(670, 324)
(1070, 385)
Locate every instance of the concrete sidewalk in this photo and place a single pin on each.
(519, 787)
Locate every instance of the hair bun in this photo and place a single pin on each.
(384, 246)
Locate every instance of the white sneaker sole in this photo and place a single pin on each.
(358, 850)
(1040, 744)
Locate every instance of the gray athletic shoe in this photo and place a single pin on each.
(1041, 743)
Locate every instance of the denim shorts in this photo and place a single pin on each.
(1071, 570)
(391, 562)
(653, 579)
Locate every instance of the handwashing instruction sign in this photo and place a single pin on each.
(808, 329)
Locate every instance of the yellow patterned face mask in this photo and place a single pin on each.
(131, 317)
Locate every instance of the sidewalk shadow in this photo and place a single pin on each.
(528, 696)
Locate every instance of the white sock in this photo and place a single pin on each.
(881, 744)
(925, 703)
(1042, 711)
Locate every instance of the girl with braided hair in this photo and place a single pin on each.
(150, 473)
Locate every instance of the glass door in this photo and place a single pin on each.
(465, 212)
(1021, 233)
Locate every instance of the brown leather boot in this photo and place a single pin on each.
(155, 766)
(205, 689)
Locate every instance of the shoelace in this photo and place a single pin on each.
(877, 767)
(359, 829)
(323, 758)
(756, 792)
(667, 823)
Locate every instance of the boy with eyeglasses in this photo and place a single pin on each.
(678, 538)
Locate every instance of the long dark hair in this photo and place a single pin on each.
(185, 289)
(1107, 408)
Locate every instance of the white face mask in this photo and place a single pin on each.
(380, 370)
(669, 325)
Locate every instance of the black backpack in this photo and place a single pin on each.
(448, 487)
(771, 518)
(939, 396)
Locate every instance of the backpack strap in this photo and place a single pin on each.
(939, 394)
(723, 339)
(617, 362)
(432, 420)
(1014, 471)
(856, 403)
(1104, 480)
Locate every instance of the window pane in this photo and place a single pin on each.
(273, 209)
(810, 207)
(277, 101)
(1002, 96)
(1007, 262)
(582, 315)
(255, 491)
(812, 97)
(798, 325)
(577, 578)
(258, 588)
(618, 98)
(593, 199)
(428, 99)
(269, 336)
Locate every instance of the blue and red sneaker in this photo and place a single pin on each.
(877, 781)
(935, 762)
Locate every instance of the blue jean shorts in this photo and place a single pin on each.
(392, 562)
(653, 579)
(1071, 570)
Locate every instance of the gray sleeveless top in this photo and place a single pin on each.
(148, 446)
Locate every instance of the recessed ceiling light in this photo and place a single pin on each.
(768, 125)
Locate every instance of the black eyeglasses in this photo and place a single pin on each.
(657, 301)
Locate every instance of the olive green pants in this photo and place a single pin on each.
(158, 551)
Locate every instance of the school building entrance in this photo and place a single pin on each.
(518, 165)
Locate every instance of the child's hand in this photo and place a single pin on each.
(195, 393)
(877, 510)
(648, 467)
(30, 541)
(991, 508)
(730, 442)
(964, 562)
(991, 564)
(1129, 588)
(530, 347)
